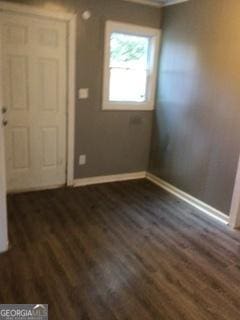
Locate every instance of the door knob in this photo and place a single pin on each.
(4, 110)
(5, 123)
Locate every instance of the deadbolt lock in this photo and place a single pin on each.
(5, 123)
(4, 110)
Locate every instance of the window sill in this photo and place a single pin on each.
(127, 107)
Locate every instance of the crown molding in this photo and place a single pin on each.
(157, 3)
(152, 3)
(172, 2)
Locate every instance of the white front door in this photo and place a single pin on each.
(3, 207)
(34, 73)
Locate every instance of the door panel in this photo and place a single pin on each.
(20, 148)
(34, 59)
(48, 84)
(48, 37)
(15, 34)
(50, 147)
(18, 85)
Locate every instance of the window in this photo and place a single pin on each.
(130, 67)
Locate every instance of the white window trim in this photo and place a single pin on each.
(154, 35)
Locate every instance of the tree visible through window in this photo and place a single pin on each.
(128, 67)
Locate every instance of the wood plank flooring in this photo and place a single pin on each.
(119, 251)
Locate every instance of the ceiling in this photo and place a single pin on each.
(158, 3)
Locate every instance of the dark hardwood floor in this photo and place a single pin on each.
(119, 251)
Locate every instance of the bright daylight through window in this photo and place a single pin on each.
(130, 67)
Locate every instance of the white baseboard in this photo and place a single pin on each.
(4, 248)
(43, 188)
(111, 178)
(202, 206)
(189, 199)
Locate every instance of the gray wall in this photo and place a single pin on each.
(196, 135)
(114, 141)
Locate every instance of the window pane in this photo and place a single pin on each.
(129, 51)
(128, 85)
(128, 65)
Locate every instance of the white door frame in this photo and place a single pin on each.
(71, 20)
(235, 205)
(3, 192)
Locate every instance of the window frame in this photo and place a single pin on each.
(154, 43)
